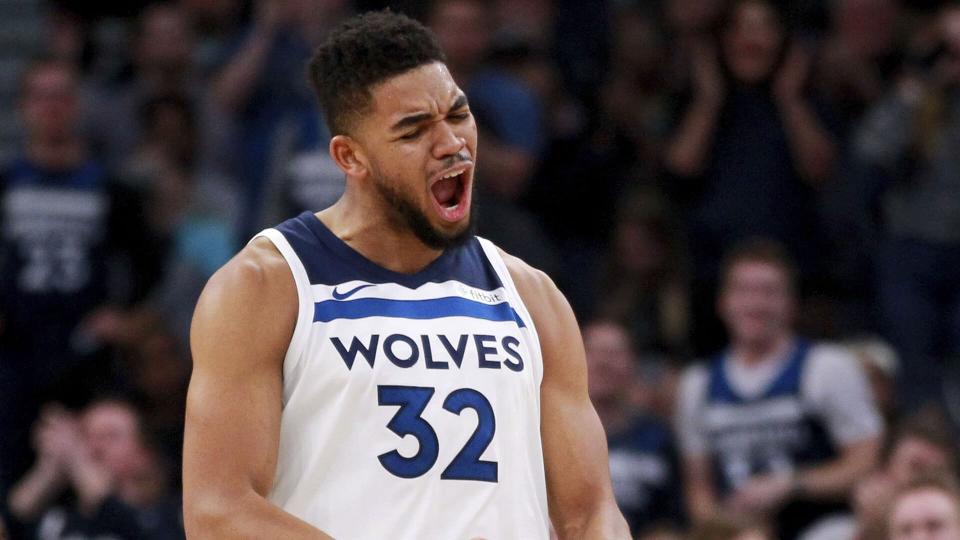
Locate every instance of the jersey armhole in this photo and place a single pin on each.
(493, 255)
(298, 341)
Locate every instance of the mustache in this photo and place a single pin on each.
(459, 157)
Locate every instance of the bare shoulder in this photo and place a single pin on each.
(252, 298)
(552, 316)
(257, 272)
(538, 292)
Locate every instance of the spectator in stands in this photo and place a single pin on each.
(510, 126)
(508, 113)
(119, 484)
(72, 240)
(774, 424)
(909, 139)
(750, 148)
(162, 65)
(661, 533)
(921, 447)
(857, 63)
(530, 21)
(615, 141)
(214, 23)
(634, 97)
(159, 374)
(263, 88)
(169, 138)
(880, 363)
(643, 462)
(692, 17)
(645, 280)
(191, 211)
(720, 528)
(925, 510)
(860, 57)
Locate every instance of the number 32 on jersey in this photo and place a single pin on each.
(412, 400)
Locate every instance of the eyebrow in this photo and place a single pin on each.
(414, 119)
(459, 103)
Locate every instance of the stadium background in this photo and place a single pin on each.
(201, 118)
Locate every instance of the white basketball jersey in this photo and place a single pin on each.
(411, 403)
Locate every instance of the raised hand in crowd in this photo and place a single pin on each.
(791, 79)
(63, 458)
(688, 152)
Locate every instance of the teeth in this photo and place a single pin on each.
(453, 174)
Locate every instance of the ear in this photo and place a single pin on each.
(348, 155)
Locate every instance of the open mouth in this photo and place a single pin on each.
(451, 195)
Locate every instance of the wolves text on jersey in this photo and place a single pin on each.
(433, 351)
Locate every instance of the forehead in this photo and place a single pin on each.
(923, 504)
(605, 335)
(748, 269)
(753, 12)
(109, 415)
(48, 72)
(912, 444)
(428, 88)
(46, 76)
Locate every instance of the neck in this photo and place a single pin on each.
(755, 352)
(57, 154)
(366, 228)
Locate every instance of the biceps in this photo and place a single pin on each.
(232, 432)
(575, 451)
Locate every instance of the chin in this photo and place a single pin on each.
(754, 334)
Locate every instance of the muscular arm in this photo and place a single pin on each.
(574, 446)
(240, 333)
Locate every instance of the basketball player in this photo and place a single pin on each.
(375, 370)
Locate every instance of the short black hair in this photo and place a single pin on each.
(362, 52)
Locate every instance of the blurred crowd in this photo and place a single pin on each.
(753, 206)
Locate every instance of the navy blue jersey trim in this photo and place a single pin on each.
(328, 260)
(786, 383)
(23, 172)
(434, 308)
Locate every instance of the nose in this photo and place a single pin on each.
(448, 142)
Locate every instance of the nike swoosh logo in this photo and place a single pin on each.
(348, 294)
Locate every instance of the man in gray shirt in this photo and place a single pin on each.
(909, 145)
(774, 426)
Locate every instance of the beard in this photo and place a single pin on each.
(406, 213)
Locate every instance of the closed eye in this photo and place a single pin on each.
(460, 115)
(411, 136)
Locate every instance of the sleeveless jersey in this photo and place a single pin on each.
(771, 433)
(411, 403)
(775, 432)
